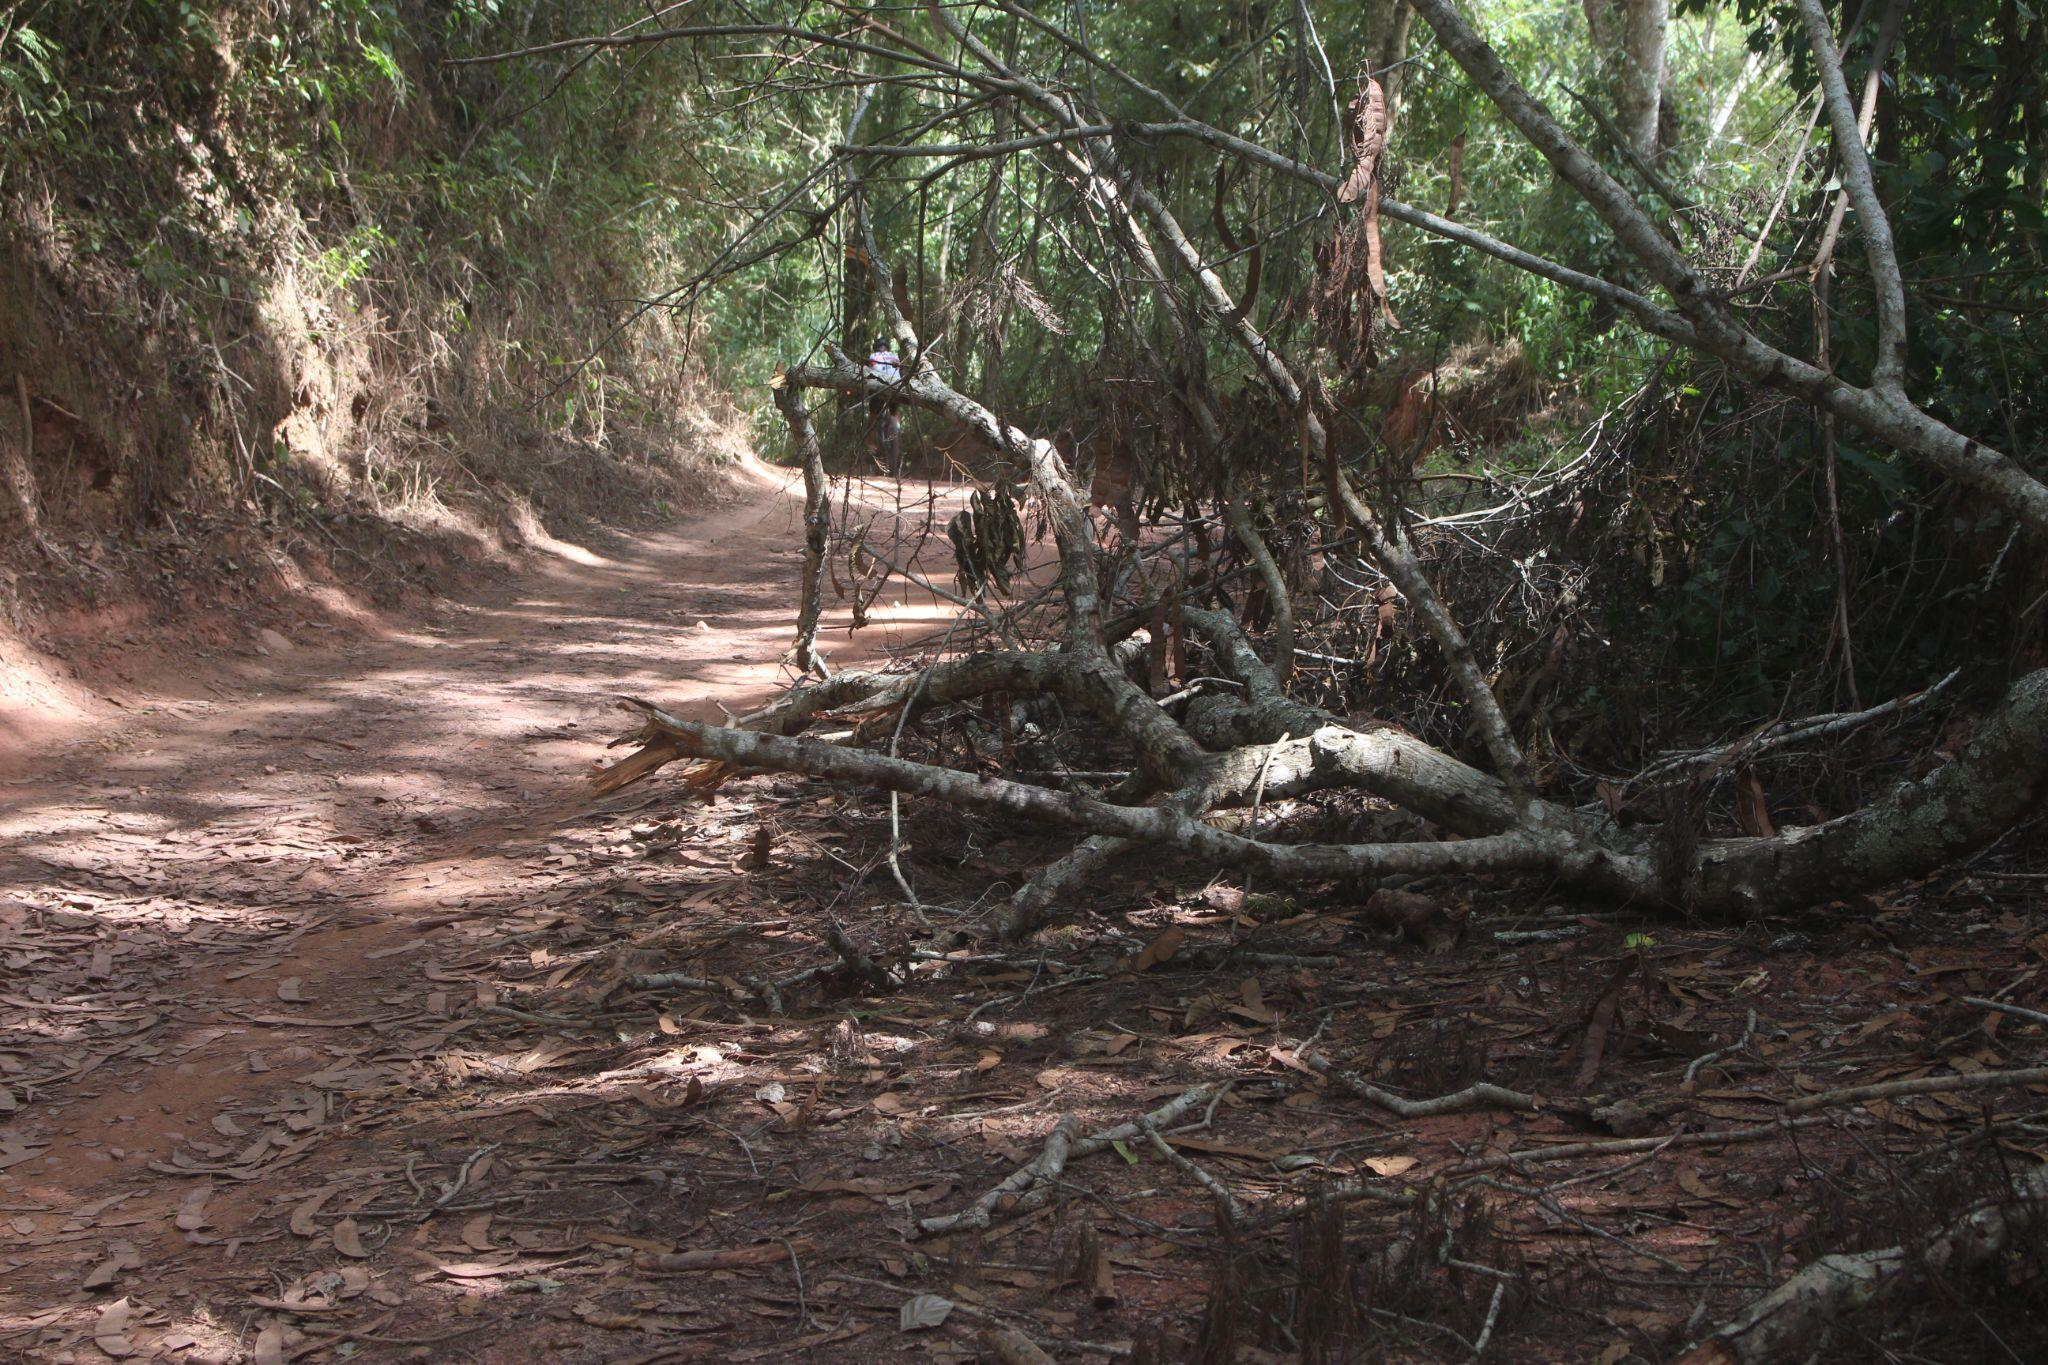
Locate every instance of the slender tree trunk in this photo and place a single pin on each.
(1631, 37)
(817, 526)
(1387, 25)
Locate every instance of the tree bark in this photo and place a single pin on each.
(1387, 26)
(2000, 776)
(1631, 37)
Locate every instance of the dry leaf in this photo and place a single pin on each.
(303, 1222)
(1694, 1184)
(120, 1256)
(348, 1239)
(1160, 949)
(1752, 807)
(923, 1311)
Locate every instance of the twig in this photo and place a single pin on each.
(1043, 1168)
(455, 1186)
(1500, 1290)
(1233, 1212)
(1030, 1185)
(1922, 1085)
(1481, 1095)
(1709, 1058)
(1771, 737)
(662, 981)
(2003, 1008)
(863, 966)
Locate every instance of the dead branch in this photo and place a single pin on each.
(1881, 409)
(1233, 1212)
(1482, 1095)
(1799, 1113)
(1039, 1171)
(1031, 1184)
(671, 737)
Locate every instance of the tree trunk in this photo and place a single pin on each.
(817, 526)
(1631, 37)
(1387, 24)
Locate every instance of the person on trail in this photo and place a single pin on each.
(885, 428)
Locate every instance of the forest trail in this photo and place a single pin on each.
(212, 920)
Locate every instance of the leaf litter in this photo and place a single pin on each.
(406, 1091)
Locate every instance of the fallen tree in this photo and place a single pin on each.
(1253, 741)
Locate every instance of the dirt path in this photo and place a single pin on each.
(212, 922)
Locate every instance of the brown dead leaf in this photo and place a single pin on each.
(1160, 949)
(1694, 1184)
(767, 1253)
(1220, 1148)
(1595, 1044)
(348, 1239)
(120, 1256)
(594, 1314)
(303, 1222)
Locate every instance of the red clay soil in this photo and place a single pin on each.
(325, 1034)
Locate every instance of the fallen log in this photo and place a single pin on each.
(1783, 1324)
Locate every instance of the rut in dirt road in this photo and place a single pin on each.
(212, 925)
